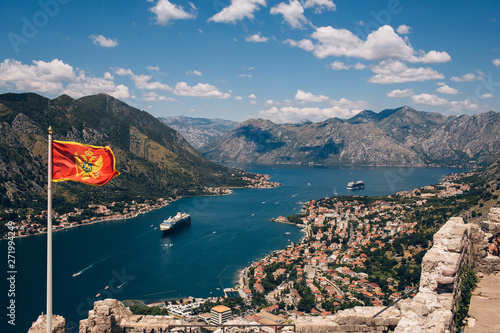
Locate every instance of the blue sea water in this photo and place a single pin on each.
(227, 233)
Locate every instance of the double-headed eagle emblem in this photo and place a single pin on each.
(88, 165)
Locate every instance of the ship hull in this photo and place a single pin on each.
(167, 228)
(356, 185)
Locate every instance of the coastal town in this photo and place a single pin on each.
(356, 251)
(34, 224)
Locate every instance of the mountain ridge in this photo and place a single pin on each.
(154, 160)
(392, 137)
(199, 131)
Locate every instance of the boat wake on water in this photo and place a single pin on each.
(127, 248)
(90, 266)
(83, 270)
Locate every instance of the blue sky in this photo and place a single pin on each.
(238, 59)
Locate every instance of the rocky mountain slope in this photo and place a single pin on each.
(199, 131)
(154, 160)
(395, 137)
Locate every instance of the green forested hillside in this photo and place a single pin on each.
(154, 160)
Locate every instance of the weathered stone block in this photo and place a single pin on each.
(381, 321)
(102, 310)
(490, 227)
(40, 325)
(445, 284)
(449, 271)
(494, 215)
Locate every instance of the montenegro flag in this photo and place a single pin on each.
(93, 165)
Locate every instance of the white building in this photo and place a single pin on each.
(219, 315)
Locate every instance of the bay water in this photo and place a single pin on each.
(136, 261)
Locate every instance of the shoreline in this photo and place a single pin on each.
(108, 218)
(254, 184)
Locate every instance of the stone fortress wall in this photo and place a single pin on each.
(456, 245)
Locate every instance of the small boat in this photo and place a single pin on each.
(287, 233)
(214, 232)
(97, 295)
(106, 288)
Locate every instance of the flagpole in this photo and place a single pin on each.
(49, 236)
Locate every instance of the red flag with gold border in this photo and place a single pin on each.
(93, 165)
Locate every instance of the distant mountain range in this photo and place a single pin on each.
(154, 160)
(392, 137)
(199, 131)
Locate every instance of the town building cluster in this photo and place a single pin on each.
(331, 268)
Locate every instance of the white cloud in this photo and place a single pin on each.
(257, 38)
(271, 102)
(319, 5)
(200, 90)
(466, 77)
(194, 73)
(428, 99)
(50, 77)
(293, 13)
(389, 71)
(153, 68)
(122, 71)
(303, 96)
(400, 93)
(238, 10)
(434, 100)
(488, 95)
(496, 62)
(83, 86)
(245, 75)
(290, 114)
(45, 77)
(433, 57)
(143, 81)
(252, 96)
(307, 97)
(339, 65)
(103, 41)
(445, 89)
(108, 76)
(359, 66)
(460, 106)
(381, 44)
(238, 98)
(346, 103)
(305, 44)
(152, 96)
(403, 29)
(166, 11)
(120, 92)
